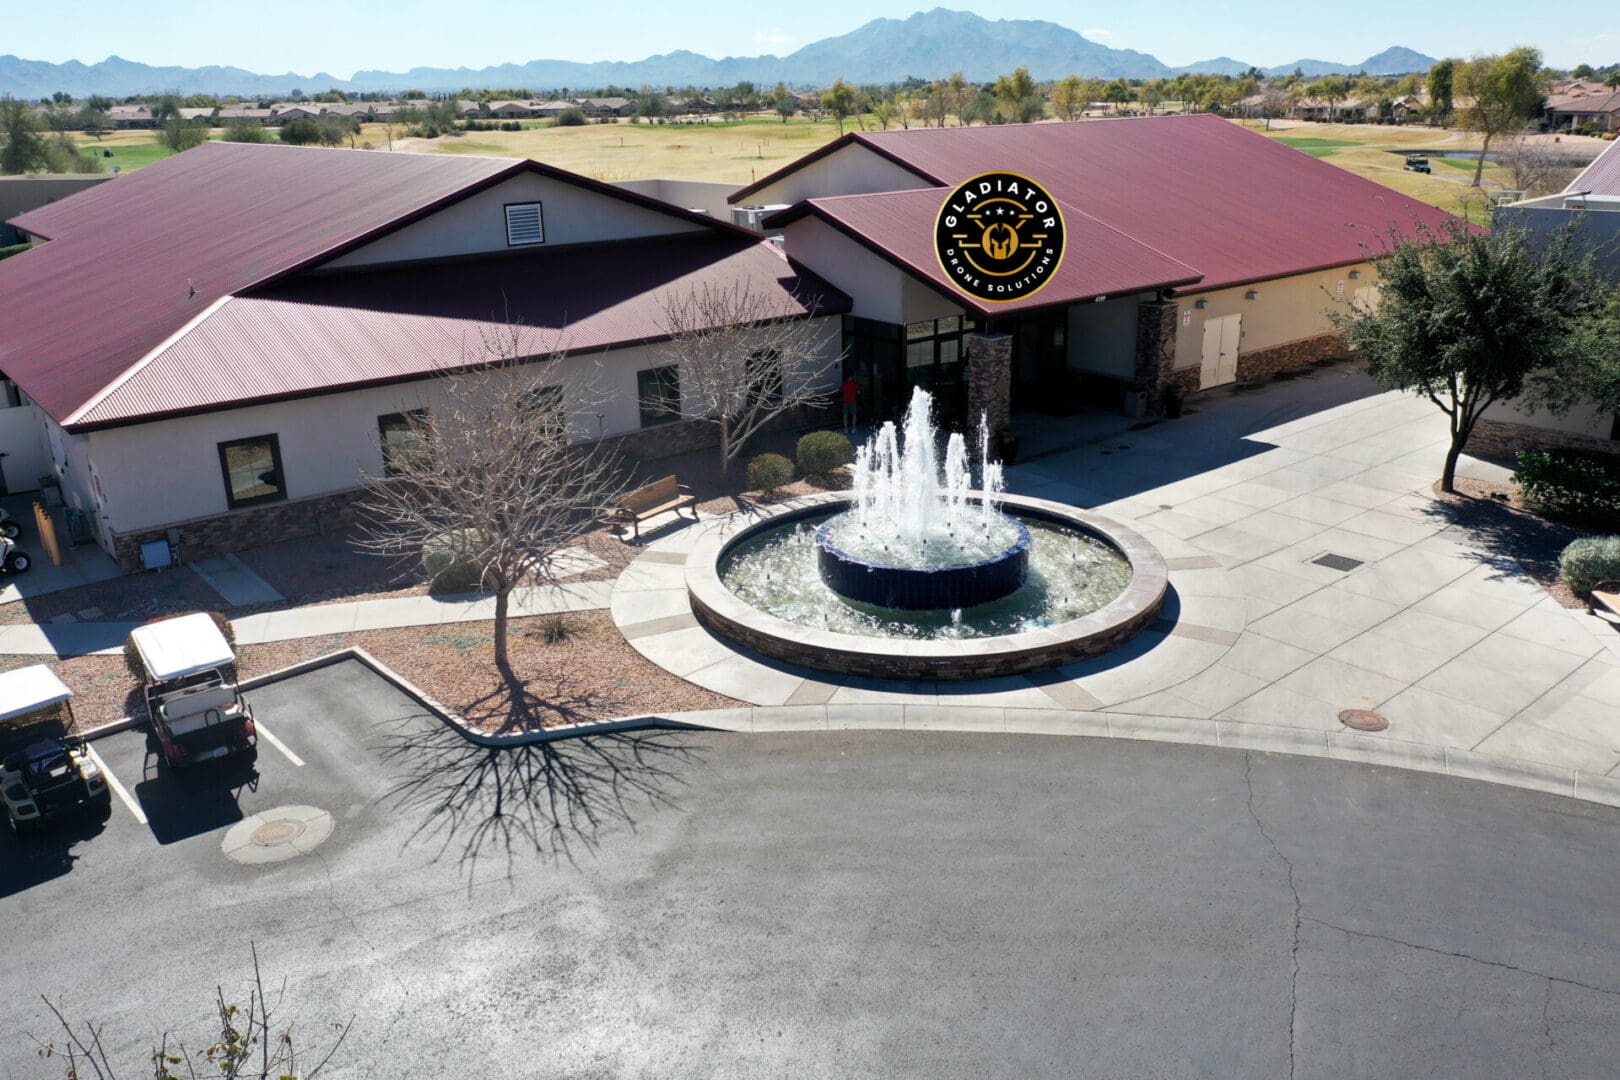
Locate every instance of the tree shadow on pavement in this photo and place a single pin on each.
(1509, 539)
(515, 705)
(547, 798)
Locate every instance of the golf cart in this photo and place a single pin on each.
(1417, 163)
(13, 560)
(197, 714)
(45, 773)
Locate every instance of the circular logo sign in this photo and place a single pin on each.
(999, 237)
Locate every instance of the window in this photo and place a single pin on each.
(399, 432)
(659, 390)
(548, 402)
(252, 470)
(524, 224)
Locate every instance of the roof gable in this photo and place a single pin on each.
(133, 261)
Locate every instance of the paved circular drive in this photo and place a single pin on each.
(276, 835)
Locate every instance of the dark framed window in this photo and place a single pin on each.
(659, 392)
(547, 403)
(252, 471)
(399, 432)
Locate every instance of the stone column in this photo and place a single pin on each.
(1155, 350)
(989, 360)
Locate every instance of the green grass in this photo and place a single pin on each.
(127, 155)
(1461, 164)
(1311, 142)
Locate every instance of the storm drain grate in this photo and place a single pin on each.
(1336, 562)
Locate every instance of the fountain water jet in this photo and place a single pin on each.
(918, 537)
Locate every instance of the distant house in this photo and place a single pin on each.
(361, 109)
(608, 106)
(700, 105)
(286, 113)
(510, 110)
(469, 110)
(1404, 108)
(236, 114)
(553, 108)
(1566, 111)
(189, 115)
(131, 116)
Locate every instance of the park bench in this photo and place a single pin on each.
(1604, 601)
(649, 501)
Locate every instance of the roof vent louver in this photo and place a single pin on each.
(524, 225)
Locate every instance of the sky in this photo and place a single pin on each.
(342, 36)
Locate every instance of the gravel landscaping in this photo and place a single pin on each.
(590, 674)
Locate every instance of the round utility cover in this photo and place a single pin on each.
(277, 835)
(1363, 720)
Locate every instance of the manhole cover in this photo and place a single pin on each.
(1363, 720)
(1337, 562)
(280, 831)
(285, 832)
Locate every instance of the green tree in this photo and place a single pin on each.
(1466, 319)
(248, 131)
(1442, 89)
(1012, 89)
(1506, 92)
(1332, 89)
(166, 108)
(1153, 94)
(1581, 71)
(93, 122)
(62, 155)
(1117, 92)
(301, 132)
(960, 92)
(179, 135)
(1068, 97)
(1613, 81)
(840, 101)
(24, 149)
(782, 101)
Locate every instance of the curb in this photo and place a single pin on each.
(1345, 746)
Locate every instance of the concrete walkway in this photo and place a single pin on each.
(1419, 618)
(236, 582)
(316, 620)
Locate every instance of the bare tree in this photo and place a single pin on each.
(744, 358)
(1537, 165)
(248, 1046)
(495, 474)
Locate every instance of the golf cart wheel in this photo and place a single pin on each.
(18, 562)
(10, 529)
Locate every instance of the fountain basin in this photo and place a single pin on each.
(918, 588)
(1122, 618)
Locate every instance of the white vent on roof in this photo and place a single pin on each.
(524, 225)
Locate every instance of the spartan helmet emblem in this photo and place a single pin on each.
(1000, 241)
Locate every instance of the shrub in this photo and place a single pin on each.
(1589, 560)
(1574, 486)
(768, 472)
(820, 452)
(446, 568)
(554, 630)
(570, 118)
(132, 659)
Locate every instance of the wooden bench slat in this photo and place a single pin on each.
(653, 499)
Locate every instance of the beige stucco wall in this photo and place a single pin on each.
(1102, 337)
(880, 290)
(706, 195)
(1581, 420)
(850, 170)
(167, 471)
(1289, 309)
(571, 215)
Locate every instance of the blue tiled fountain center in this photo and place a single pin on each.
(960, 571)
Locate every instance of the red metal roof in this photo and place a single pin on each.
(131, 262)
(1228, 202)
(1099, 260)
(331, 331)
(1602, 177)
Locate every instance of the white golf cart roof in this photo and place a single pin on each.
(26, 689)
(175, 648)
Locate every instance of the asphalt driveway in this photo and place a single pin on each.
(849, 904)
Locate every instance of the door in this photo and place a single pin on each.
(1220, 351)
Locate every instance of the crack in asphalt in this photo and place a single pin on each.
(1293, 946)
(1546, 1029)
(354, 924)
(1562, 980)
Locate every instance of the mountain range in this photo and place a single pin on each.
(928, 44)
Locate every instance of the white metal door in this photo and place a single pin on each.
(1231, 335)
(1220, 351)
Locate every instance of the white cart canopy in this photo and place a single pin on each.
(26, 689)
(175, 648)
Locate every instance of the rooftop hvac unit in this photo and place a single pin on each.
(753, 217)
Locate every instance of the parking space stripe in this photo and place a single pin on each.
(118, 789)
(278, 744)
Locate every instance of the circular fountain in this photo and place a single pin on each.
(918, 573)
(915, 537)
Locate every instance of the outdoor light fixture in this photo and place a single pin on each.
(1200, 304)
(1355, 275)
(1252, 294)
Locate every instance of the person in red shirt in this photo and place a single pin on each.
(851, 391)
